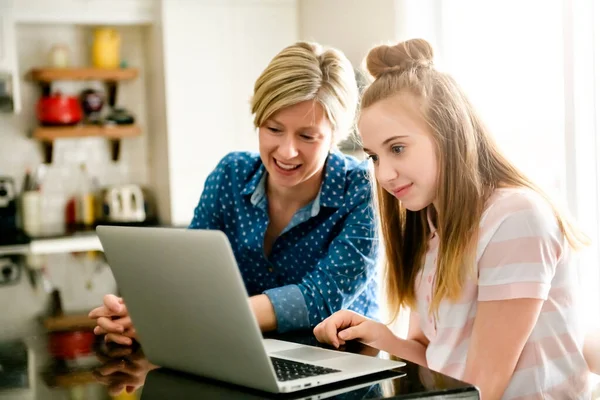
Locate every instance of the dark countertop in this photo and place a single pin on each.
(71, 363)
(38, 364)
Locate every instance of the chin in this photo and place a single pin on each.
(413, 206)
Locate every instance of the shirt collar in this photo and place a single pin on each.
(332, 189)
(258, 177)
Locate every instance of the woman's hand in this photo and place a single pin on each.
(347, 325)
(123, 368)
(113, 321)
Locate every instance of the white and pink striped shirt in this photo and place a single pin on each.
(521, 253)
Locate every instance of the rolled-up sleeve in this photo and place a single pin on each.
(337, 279)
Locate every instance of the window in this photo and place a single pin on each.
(529, 67)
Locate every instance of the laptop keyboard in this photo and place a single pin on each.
(287, 370)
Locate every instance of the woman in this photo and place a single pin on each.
(298, 215)
(474, 248)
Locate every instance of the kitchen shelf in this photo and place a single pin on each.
(66, 132)
(18, 249)
(82, 74)
(69, 322)
(67, 244)
(79, 242)
(45, 77)
(47, 135)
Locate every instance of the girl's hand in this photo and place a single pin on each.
(347, 325)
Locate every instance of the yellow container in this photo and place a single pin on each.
(106, 48)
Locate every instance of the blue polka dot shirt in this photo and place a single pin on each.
(323, 261)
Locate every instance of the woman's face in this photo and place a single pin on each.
(400, 143)
(294, 143)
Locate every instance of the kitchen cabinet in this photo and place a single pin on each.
(88, 12)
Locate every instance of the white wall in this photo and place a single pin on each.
(353, 26)
(514, 76)
(213, 52)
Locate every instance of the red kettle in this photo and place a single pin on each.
(58, 109)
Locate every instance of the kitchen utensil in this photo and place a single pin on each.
(31, 212)
(106, 48)
(10, 271)
(92, 102)
(6, 92)
(59, 56)
(124, 203)
(8, 206)
(58, 109)
(70, 345)
(120, 116)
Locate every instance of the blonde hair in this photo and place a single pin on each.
(308, 71)
(471, 167)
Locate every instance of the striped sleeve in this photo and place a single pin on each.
(519, 260)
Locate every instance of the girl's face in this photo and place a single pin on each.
(294, 144)
(400, 143)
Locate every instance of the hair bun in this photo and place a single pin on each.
(413, 53)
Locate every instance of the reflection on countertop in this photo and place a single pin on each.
(39, 360)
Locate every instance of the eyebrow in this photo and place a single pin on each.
(386, 141)
(311, 127)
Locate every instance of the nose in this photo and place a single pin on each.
(287, 148)
(385, 171)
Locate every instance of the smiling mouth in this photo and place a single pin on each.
(401, 190)
(286, 167)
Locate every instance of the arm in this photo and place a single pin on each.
(347, 325)
(207, 213)
(500, 332)
(515, 274)
(264, 312)
(337, 280)
(207, 216)
(415, 345)
(412, 348)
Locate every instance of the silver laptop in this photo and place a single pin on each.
(188, 302)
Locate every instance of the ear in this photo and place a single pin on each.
(334, 141)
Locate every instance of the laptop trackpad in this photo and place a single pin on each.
(309, 354)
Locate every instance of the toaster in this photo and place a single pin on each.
(8, 205)
(125, 204)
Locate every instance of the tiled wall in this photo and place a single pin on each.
(23, 303)
(18, 152)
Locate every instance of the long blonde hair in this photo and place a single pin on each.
(471, 167)
(308, 71)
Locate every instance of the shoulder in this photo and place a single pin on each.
(241, 164)
(355, 171)
(516, 213)
(239, 159)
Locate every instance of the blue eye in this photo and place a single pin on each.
(372, 157)
(397, 149)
